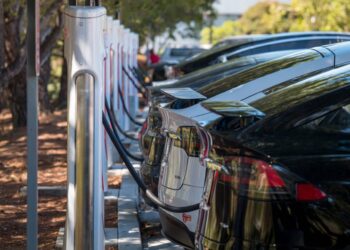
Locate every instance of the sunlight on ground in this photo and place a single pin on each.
(52, 172)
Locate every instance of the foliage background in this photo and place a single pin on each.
(268, 17)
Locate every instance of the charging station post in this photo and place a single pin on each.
(134, 65)
(84, 52)
(133, 90)
(116, 72)
(122, 82)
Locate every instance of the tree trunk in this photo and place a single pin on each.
(17, 85)
(18, 100)
(43, 92)
(2, 36)
(2, 48)
(15, 71)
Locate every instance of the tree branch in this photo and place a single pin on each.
(17, 66)
(56, 5)
(13, 70)
(51, 40)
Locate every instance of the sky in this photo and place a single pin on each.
(236, 6)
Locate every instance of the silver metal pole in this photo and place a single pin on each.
(84, 162)
(84, 52)
(32, 162)
(33, 70)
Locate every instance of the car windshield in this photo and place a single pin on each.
(303, 91)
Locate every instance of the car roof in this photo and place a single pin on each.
(237, 53)
(239, 39)
(266, 69)
(264, 78)
(212, 54)
(337, 54)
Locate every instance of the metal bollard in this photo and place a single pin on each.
(132, 89)
(114, 79)
(109, 150)
(134, 65)
(124, 77)
(122, 83)
(83, 30)
(116, 72)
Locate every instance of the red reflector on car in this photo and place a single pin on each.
(273, 178)
(143, 130)
(308, 192)
(186, 217)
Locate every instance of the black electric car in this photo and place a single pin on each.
(152, 140)
(263, 44)
(278, 169)
(181, 178)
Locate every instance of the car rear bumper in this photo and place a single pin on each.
(176, 231)
(150, 176)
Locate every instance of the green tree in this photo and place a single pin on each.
(151, 18)
(301, 15)
(229, 28)
(265, 17)
(321, 15)
(13, 57)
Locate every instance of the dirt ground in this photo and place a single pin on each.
(52, 171)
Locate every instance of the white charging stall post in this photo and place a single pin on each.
(109, 150)
(116, 105)
(133, 65)
(133, 90)
(84, 52)
(128, 85)
(124, 83)
(113, 92)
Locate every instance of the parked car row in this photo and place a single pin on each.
(257, 131)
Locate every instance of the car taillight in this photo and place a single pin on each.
(260, 180)
(308, 192)
(143, 130)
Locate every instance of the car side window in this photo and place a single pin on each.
(337, 121)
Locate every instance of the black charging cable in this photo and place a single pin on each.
(141, 89)
(116, 135)
(140, 75)
(120, 129)
(126, 109)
